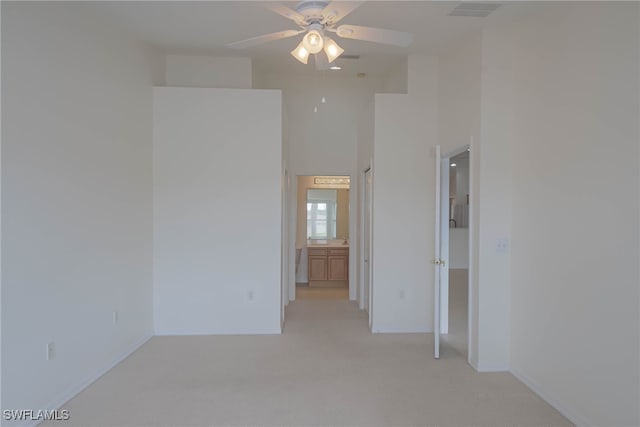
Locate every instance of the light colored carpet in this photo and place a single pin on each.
(458, 308)
(326, 369)
(306, 292)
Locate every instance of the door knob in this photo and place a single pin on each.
(435, 261)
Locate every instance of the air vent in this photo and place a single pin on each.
(473, 9)
(349, 56)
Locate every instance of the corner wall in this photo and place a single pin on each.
(565, 101)
(217, 164)
(76, 200)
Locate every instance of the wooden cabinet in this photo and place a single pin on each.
(337, 267)
(317, 267)
(328, 266)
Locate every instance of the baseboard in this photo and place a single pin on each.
(72, 391)
(576, 419)
(375, 330)
(266, 331)
(490, 368)
(473, 362)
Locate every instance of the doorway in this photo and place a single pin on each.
(322, 239)
(455, 185)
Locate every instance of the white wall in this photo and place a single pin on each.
(492, 157)
(566, 101)
(322, 143)
(217, 210)
(208, 71)
(459, 89)
(397, 80)
(403, 203)
(76, 193)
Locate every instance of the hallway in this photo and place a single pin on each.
(305, 292)
(325, 369)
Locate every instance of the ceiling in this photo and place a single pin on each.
(205, 28)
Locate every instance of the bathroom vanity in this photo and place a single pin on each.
(328, 264)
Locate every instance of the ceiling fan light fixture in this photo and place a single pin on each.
(344, 32)
(313, 42)
(332, 49)
(301, 53)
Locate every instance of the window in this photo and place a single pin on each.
(321, 219)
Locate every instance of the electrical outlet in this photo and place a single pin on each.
(51, 350)
(401, 294)
(250, 295)
(115, 317)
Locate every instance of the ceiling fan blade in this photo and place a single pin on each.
(286, 12)
(322, 63)
(254, 41)
(377, 35)
(336, 10)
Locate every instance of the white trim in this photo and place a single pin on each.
(293, 232)
(445, 244)
(371, 240)
(361, 219)
(411, 330)
(575, 418)
(491, 368)
(437, 285)
(471, 353)
(472, 362)
(72, 391)
(265, 331)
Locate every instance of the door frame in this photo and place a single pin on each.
(364, 266)
(444, 293)
(284, 245)
(292, 227)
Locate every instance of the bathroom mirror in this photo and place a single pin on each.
(327, 214)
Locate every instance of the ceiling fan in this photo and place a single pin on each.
(316, 18)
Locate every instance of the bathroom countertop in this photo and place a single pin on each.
(328, 244)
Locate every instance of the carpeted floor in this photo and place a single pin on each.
(306, 292)
(458, 309)
(326, 369)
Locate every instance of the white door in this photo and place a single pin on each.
(444, 244)
(437, 259)
(367, 242)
